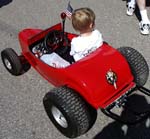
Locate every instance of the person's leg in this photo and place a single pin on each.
(145, 22)
(131, 7)
(142, 7)
(141, 4)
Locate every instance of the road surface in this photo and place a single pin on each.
(22, 115)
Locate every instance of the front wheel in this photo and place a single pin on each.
(11, 61)
(137, 63)
(69, 112)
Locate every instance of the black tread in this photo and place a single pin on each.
(12, 56)
(137, 63)
(74, 107)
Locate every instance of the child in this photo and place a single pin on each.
(83, 21)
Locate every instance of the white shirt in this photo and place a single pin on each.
(81, 46)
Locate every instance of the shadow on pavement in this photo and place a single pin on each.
(4, 2)
(116, 130)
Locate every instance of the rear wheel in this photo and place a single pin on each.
(69, 112)
(11, 61)
(137, 63)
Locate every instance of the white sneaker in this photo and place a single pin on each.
(130, 8)
(144, 28)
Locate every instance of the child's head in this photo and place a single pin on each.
(83, 20)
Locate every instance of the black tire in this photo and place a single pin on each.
(25, 64)
(26, 67)
(77, 118)
(11, 61)
(137, 63)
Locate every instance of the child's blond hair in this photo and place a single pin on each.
(82, 19)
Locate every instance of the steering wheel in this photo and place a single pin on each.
(54, 40)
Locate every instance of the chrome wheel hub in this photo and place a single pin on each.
(59, 117)
(8, 64)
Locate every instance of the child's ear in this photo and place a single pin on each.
(92, 25)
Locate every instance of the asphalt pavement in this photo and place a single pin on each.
(22, 114)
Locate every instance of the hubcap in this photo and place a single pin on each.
(7, 63)
(59, 117)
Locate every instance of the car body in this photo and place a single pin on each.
(87, 76)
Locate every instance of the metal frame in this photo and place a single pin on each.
(139, 116)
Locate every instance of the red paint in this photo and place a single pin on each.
(87, 76)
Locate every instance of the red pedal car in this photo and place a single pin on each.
(102, 80)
